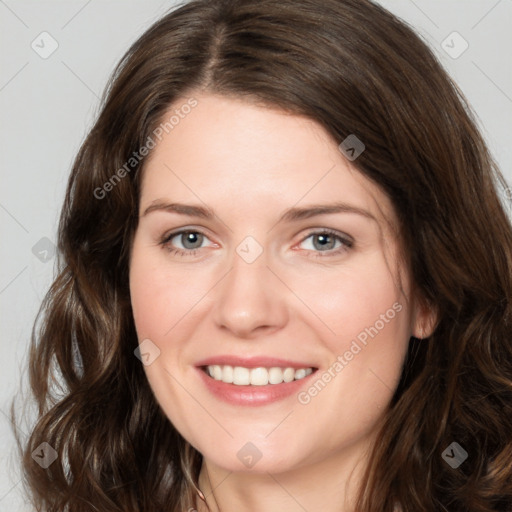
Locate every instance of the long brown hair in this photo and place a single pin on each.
(354, 68)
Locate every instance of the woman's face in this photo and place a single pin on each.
(261, 248)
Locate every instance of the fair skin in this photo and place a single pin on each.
(297, 300)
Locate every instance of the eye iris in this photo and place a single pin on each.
(325, 241)
(196, 239)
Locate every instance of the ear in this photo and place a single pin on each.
(424, 319)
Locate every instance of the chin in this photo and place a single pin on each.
(251, 457)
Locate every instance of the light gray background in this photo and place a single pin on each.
(47, 106)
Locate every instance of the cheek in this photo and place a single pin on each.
(160, 297)
(163, 306)
(365, 326)
(352, 299)
(148, 298)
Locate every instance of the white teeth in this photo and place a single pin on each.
(241, 376)
(275, 375)
(227, 374)
(259, 377)
(217, 372)
(289, 374)
(300, 374)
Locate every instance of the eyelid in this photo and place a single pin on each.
(321, 231)
(171, 234)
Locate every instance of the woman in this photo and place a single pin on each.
(337, 335)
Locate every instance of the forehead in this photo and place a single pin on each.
(237, 156)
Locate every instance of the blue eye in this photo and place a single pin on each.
(190, 240)
(327, 241)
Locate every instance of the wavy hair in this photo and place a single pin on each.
(353, 68)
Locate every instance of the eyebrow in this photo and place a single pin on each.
(293, 214)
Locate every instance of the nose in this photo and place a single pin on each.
(250, 301)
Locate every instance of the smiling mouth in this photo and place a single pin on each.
(261, 376)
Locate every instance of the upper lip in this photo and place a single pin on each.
(252, 362)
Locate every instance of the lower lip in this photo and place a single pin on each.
(252, 395)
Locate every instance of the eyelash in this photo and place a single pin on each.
(346, 242)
